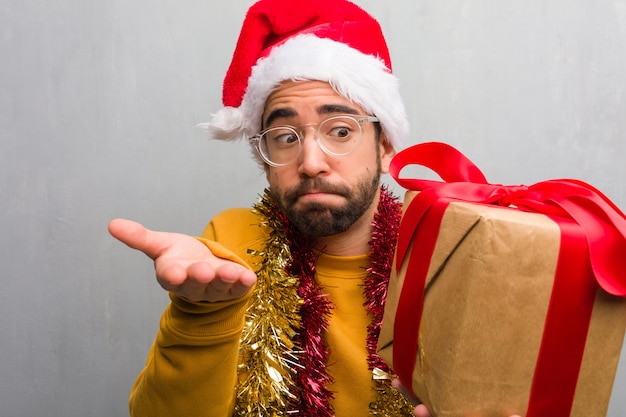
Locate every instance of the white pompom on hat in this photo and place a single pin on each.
(333, 41)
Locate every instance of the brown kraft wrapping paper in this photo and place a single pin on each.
(488, 289)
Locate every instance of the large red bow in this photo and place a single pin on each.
(603, 222)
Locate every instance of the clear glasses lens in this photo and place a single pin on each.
(279, 145)
(337, 136)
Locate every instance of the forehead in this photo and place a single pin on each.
(307, 96)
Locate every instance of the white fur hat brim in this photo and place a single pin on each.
(362, 79)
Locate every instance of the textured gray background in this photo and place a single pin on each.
(98, 103)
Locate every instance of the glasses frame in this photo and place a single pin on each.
(256, 139)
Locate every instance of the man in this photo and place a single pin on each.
(275, 311)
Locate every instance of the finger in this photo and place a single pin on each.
(186, 281)
(231, 281)
(136, 236)
(404, 391)
(203, 282)
(172, 276)
(128, 232)
(200, 281)
(242, 280)
(398, 386)
(421, 411)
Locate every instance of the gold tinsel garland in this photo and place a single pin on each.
(268, 360)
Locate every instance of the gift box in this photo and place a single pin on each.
(504, 300)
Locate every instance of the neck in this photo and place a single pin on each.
(355, 240)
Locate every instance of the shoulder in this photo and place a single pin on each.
(235, 216)
(238, 229)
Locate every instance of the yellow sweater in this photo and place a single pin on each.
(191, 369)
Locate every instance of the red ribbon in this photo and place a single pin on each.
(593, 245)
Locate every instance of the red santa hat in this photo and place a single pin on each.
(333, 41)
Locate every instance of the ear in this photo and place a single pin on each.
(387, 152)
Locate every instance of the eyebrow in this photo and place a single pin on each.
(277, 114)
(336, 108)
(324, 109)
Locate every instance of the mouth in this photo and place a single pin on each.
(320, 197)
(315, 195)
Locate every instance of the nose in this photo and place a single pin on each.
(312, 159)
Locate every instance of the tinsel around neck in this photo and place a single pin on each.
(283, 355)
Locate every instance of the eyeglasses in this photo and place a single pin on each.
(337, 136)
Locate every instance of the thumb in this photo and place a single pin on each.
(136, 236)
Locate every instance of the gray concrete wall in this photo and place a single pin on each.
(98, 103)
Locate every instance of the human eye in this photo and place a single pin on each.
(281, 137)
(339, 130)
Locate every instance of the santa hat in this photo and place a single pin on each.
(333, 41)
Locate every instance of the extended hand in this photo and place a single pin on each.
(184, 265)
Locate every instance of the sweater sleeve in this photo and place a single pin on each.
(191, 369)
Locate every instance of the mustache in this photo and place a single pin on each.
(315, 184)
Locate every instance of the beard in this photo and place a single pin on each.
(319, 220)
